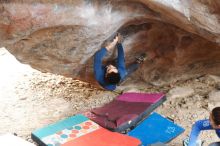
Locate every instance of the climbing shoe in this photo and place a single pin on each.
(140, 59)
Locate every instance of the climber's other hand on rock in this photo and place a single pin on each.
(112, 44)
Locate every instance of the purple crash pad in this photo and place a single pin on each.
(140, 97)
(126, 110)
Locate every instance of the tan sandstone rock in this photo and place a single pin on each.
(181, 37)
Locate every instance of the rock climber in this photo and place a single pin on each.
(109, 75)
(213, 123)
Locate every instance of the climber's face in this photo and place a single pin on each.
(110, 68)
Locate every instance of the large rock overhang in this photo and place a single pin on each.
(181, 39)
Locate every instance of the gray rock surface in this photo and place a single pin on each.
(180, 92)
(214, 96)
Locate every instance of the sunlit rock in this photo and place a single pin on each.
(181, 37)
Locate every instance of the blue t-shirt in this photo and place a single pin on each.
(100, 69)
(199, 126)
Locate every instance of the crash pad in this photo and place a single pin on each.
(80, 131)
(156, 128)
(126, 110)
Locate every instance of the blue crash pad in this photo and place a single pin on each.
(155, 129)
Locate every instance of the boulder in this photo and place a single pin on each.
(214, 96)
(180, 92)
(181, 37)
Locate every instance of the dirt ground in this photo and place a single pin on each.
(30, 99)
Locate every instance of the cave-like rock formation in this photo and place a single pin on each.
(181, 37)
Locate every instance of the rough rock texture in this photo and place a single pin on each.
(180, 92)
(181, 37)
(214, 96)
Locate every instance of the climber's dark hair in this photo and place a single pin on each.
(112, 78)
(105, 43)
(216, 115)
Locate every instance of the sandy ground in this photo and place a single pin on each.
(30, 99)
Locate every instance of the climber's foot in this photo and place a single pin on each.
(140, 59)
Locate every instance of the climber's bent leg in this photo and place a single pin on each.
(132, 68)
